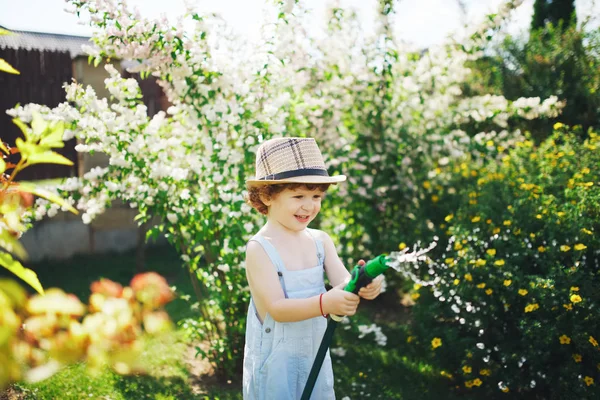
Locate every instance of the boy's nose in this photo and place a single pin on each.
(308, 206)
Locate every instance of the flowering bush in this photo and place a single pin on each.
(389, 117)
(514, 294)
(397, 127)
(42, 333)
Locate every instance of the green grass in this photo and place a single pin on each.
(393, 371)
(366, 371)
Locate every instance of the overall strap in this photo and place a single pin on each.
(275, 259)
(320, 248)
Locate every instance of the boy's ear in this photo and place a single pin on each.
(266, 200)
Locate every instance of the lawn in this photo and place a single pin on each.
(366, 370)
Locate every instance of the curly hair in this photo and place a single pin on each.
(271, 191)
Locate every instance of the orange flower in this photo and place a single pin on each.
(151, 289)
(107, 288)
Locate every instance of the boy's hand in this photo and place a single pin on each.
(373, 289)
(339, 302)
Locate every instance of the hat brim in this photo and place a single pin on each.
(314, 179)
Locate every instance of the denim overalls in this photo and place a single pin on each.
(278, 355)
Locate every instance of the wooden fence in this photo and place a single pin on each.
(42, 76)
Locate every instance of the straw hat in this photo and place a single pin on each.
(291, 160)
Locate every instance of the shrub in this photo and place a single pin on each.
(514, 295)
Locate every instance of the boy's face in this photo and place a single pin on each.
(294, 209)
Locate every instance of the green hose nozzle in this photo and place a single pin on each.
(363, 275)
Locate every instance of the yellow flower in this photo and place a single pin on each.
(480, 262)
(593, 341)
(457, 246)
(436, 342)
(507, 282)
(574, 289)
(507, 223)
(496, 231)
(469, 384)
(435, 198)
(475, 219)
(415, 296)
(449, 261)
(466, 369)
(489, 292)
(477, 382)
(585, 171)
(565, 248)
(564, 339)
(491, 252)
(586, 231)
(427, 184)
(402, 246)
(575, 298)
(523, 292)
(541, 249)
(568, 307)
(577, 358)
(589, 380)
(417, 286)
(499, 262)
(456, 282)
(557, 126)
(580, 246)
(538, 216)
(488, 221)
(449, 217)
(468, 277)
(409, 339)
(531, 307)
(505, 389)
(485, 372)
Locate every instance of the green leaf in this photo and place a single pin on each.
(48, 157)
(27, 275)
(53, 197)
(11, 244)
(24, 128)
(4, 148)
(38, 125)
(6, 67)
(54, 135)
(36, 154)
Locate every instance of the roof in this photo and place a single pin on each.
(44, 41)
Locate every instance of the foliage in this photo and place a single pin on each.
(515, 292)
(43, 333)
(389, 117)
(553, 11)
(17, 198)
(556, 60)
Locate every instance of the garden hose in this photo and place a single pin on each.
(361, 276)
